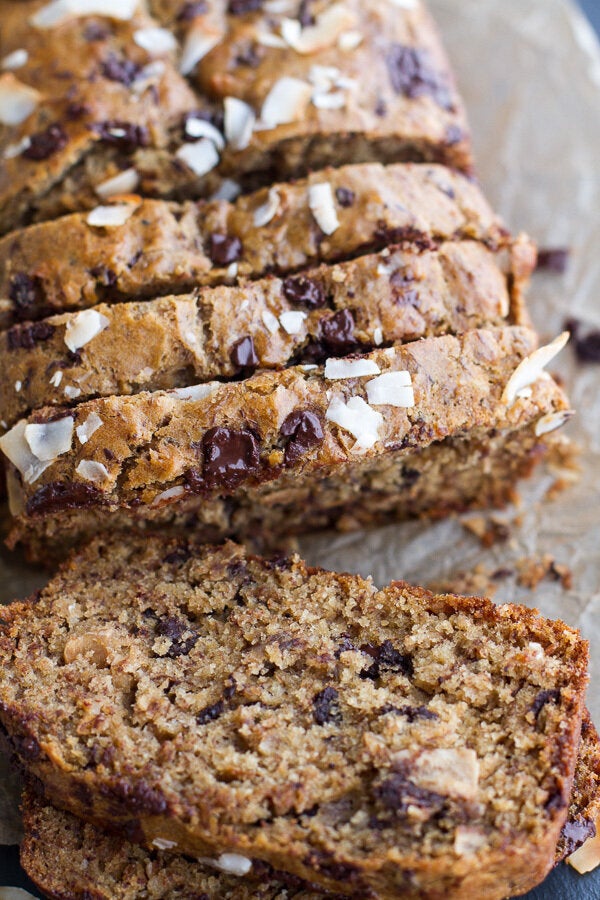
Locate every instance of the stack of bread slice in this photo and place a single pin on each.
(250, 288)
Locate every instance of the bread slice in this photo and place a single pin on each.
(351, 442)
(102, 107)
(371, 81)
(164, 248)
(70, 859)
(398, 295)
(387, 741)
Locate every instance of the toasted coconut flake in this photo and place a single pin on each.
(532, 367)
(268, 210)
(195, 127)
(196, 391)
(56, 379)
(49, 440)
(59, 11)
(198, 44)
(350, 40)
(84, 327)
(322, 206)
(90, 470)
(17, 450)
(239, 123)
(87, 428)
(201, 157)
(285, 102)
(234, 864)
(391, 389)
(227, 190)
(448, 771)
(110, 216)
(148, 76)
(378, 336)
(164, 843)
(468, 840)
(358, 419)
(268, 39)
(124, 183)
(338, 369)
(271, 322)
(552, 421)
(156, 41)
(13, 150)
(17, 100)
(160, 499)
(71, 392)
(15, 60)
(292, 321)
(328, 27)
(335, 100)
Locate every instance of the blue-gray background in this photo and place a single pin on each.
(563, 884)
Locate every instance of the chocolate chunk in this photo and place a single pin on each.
(305, 16)
(27, 336)
(304, 292)
(175, 629)
(326, 707)
(412, 713)
(544, 697)
(397, 793)
(241, 7)
(125, 135)
(586, 341)
(224, 250)
(178, 556)
(412, 74)
(57, 496)
(43, 144)
(120, 69)
(337, 332)
(410, 476)
(574, 834)
(345, 197)
(243, 355)
(556, 800)
(76, 111)
(189, 11)
(210, 713)
(96, 31)
(105, 276)
(25, 291)
(386, 659)
(403, 234)
(303, 430)
(554, 259)
(345, 646)
(229, 457)
(139, 795)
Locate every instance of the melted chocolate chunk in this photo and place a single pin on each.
(125, 135)
(25, 291)
(326, 706)
(544, 697)
(189, 11)
(27, 336)
(120, 69)
(412, 74)
(337, 332)
(241, 7)
(175, 629)
(45, 143)
(303, 291)
(397, 793)
(386, 659)
(57, 496)
(243, 355)
(554, 259)
(210, 713)
(403, 234)
(586, 342)
(224, 250)
(139, 795)
(574, 834)
(303, 430)
(229, 457)
(345, 197)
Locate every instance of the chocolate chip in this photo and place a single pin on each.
(586, 341)
(125, 135)
(345, 197)
(386, 659)
(210, 713)
(175, 629)
(96, 31)
(241, 7)
(544, 697)
(229, 457)
(412, 74)
(57, 496)
(224, 250)
(43, 144)
(412, 713)
(27, 336)
(303, 291)
(554, 259)
(120, 69)
(189, 11)
(303, 430)
(326, 707)
(397, 793)
(243, 355)
(337, 332)
(26, 292)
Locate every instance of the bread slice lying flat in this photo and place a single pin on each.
(388, 741)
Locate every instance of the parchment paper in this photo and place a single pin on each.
(530, 73)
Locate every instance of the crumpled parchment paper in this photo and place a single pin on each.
(530, 73)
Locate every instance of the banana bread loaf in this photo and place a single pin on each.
(358, 440)
(162, 248)
(390, 741)
(398, 295)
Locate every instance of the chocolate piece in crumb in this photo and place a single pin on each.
(345, 197)
(25, 291)
(228, 457)
(124, 135)
(243, 354)
(27, 336)
(337, 331)
(189, 11)
(45, 143)
(123, 70)
(326, 707)
(303, 291)
(224, 250)
(412, 73)
(210, 713)
(544, 697)
(386, 659)
(303, 430)
(241, 7)
(180, 633)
